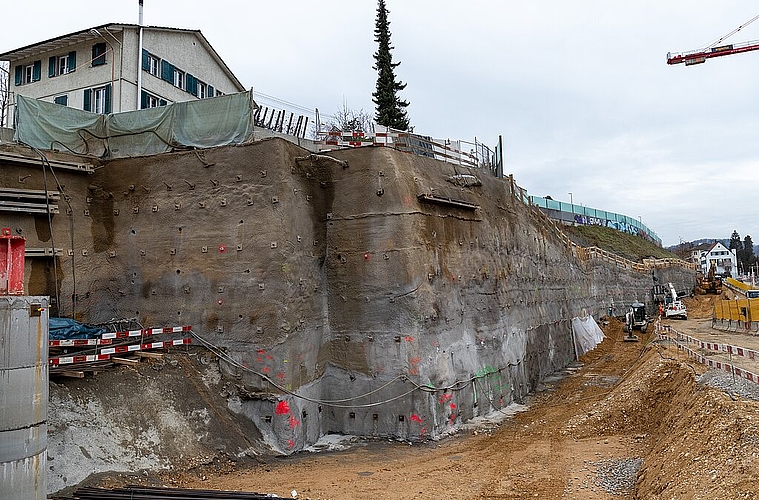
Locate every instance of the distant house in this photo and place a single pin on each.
(724, 259)
(103, 70)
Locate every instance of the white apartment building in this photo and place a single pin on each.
(724, 259)
(103, 70)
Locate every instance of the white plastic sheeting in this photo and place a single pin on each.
(586, 333)
(219, 121)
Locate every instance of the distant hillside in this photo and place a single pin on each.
(626, 245)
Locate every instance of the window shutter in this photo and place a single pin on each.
(37, 71)
(19, 75)
(192, 84)
(145, 60)
(88, 100)
(107, 99)
(162, 102)
(72, 61)
(63, 100)
(98, 54)
(143, 97)
(167, 71)
(210, 91)
(51, 67)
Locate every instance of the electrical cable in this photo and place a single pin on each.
(45, 162)
(455, 386)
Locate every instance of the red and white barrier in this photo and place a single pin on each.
(105, 354)
(713, 363)
(107, 338)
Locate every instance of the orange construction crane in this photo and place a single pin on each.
(715, 49)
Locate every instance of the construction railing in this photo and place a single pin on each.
(469, 154)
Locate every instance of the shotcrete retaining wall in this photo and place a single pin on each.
(342, 301)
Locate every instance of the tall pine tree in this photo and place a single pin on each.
(391, 110)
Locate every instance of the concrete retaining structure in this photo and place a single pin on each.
(23, 397)
(373, 293)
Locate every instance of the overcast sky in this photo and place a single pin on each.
(579, 90)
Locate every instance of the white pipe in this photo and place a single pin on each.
(139, 61)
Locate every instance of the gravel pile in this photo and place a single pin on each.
(724, 381)
(617, 476)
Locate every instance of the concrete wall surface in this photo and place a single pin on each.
(338, 299)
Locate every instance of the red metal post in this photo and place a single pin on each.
(11, 263)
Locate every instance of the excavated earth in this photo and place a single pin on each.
(629, 420)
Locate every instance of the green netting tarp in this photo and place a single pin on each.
(206, 123)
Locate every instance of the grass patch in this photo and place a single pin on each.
(629, 246)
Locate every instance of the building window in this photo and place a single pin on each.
(150, 63)
(63, 100)
(148, 100)
(61, 65)
(98, 54)
(153, 66)
(98, 99)
(28, 73)
(202, 90)
(178, 79)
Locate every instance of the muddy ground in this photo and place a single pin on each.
(629, 420)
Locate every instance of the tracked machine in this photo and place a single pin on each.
(635, 319)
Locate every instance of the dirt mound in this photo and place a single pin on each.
(702, 306)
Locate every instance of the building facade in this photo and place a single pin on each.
(104, 69)
(724, 259)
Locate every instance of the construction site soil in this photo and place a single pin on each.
(630, 419)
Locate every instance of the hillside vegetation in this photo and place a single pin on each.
(625, 245)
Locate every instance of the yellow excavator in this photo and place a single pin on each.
(711, 283)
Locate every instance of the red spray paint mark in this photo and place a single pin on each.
(367, 256)
(452, 418)
(409, 338)
(453, 406)
(422, 432)
(290, 443)
(269, 357)
(282, 408)
(416, 418)
(261, 351)
(266, 369)
(444, 398)
(281, 376)
(293, 422)
(414, 369)
(260, 359)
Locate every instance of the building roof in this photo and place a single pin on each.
(61, 42)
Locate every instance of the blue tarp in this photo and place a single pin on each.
(66, 328)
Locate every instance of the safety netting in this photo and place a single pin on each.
(217, 121)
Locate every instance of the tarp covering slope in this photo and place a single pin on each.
(218, 121)
(587, 334)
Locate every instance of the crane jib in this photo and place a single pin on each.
(700, 56)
